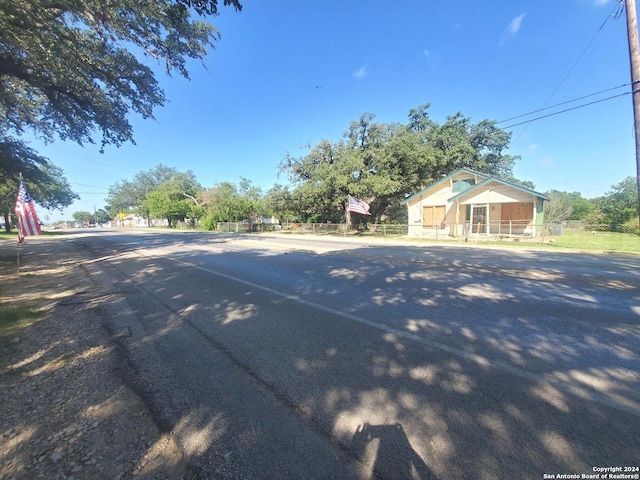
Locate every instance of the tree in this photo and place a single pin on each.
(567, 206)
(620, 205)
(130, 195)
(82, 217)
(175, 199)
(102, 216)
(46, 182)
(461, 143)
(279, 202)
(383, 163)
(71, 69)
(225, 202)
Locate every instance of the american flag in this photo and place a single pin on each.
(28, 223)
(358, 206)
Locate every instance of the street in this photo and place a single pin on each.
(309, 357)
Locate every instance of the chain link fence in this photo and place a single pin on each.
(571, 235)
(587, 236)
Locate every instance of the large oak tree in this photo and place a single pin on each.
(384, 163)
(76, 70)
(73, 68)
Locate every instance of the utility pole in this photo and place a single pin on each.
(634, 59)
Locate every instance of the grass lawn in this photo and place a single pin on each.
(605, 241)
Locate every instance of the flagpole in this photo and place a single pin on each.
(18, 256)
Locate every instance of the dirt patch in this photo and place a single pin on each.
(65, 413)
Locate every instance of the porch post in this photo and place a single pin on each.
(488, 225)
(455, 233)
(535, 217)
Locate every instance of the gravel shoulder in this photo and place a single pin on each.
(65, 412)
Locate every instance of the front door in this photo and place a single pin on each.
(478, 219)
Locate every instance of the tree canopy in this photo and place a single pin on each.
(383, 163)
(567, 206)
(152, 193)
(620, 204)
(45, 181)
(71, 69)
(174, 199)
(76, 70)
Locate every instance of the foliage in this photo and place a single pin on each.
(567, 206)
(225, 202)
(129, 195)
(102, 216)
(174, 199)
(83, 217)
(620, 205)
(71, 69)
(384, 163)
(279, 202)
(97, 217)
(46, 182)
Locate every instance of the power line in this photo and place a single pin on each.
(568, 109)
(90, 186)
(563, 103)
(615, 13)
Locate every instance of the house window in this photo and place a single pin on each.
(462, 185)
(433, 216)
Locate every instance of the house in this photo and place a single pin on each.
(469, 202)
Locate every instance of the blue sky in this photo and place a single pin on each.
(290, 73)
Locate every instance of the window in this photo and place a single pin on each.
(462, 185)
(433, 216)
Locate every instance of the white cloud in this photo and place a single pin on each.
(360, 73)
(516, 23)
(430, 57)
(513, 28)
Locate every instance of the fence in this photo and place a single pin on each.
(573, 235)
(246, 227)
(620, 238)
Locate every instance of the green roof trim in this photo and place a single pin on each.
(497, 180)
(442, 180)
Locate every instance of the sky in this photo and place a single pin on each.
(288, 74)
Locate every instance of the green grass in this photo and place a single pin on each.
(602, 241)
(15, 318)
(15, 314)
(14, 234)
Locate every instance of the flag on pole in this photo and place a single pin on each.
(28, 223)
(358, 206)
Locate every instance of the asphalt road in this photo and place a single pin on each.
(280, 357)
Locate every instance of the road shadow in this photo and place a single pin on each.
(64, 411)
(394, 457)
(459, 347)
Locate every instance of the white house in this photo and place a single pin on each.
(467, 202)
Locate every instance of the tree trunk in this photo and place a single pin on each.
(7, 222)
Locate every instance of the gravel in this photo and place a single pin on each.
(65, 412)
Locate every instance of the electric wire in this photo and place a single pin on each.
(615, 14)
(569, 109)
(90, 186)
(564, 103)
